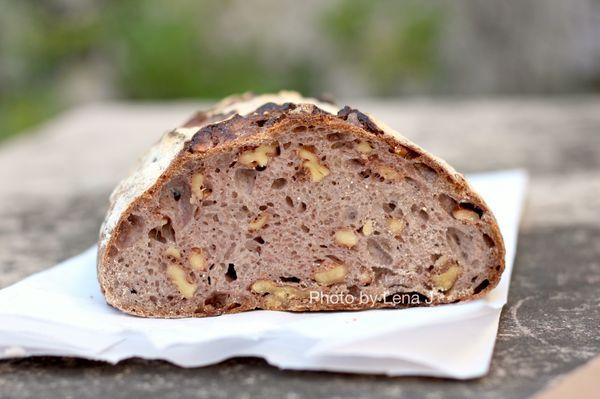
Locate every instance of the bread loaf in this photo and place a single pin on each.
(288, 203)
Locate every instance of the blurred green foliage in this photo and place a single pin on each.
(391, 41)
(148, 49)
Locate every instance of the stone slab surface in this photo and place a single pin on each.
(56, 180)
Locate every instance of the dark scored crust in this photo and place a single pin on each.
(448, 247)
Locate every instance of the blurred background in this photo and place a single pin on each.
(55, 54)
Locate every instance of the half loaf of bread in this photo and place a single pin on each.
(288, 203)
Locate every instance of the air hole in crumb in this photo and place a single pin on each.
(133, 291)
(378, 249)
(279, 183)
(305, 228)
(176, 194)
(488, 241)
(389, 207)
(217, 300)
(351, 214)
(245, 178)
(365, 173)
(472, 207)
(251, 245)
(297, 129)
(447, 202)
(163, 233)
(423, 215)
(454, 236)
(302, 207)
(426, 171)
(354, 291)
(379, 273)
(263, 207)
(482, 286)
(259, 240)
(334, 258)
(338, 145)
(289, 201)
(131, 230)
(231, 274)
(334, 136)
(406, 152)
(291, 279)
(416, 185)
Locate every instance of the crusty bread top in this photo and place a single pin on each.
(158, 159)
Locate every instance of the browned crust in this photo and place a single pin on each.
(265, 122)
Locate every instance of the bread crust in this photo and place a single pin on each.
(249, 120)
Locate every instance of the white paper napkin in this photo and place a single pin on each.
(61, 312)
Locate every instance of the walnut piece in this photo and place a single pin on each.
(444, 281)
(277, 296)
(263, 286)
(311, 163)
(178, 277)
(402, 151)
(259, 156)
(197, 187)
(197, 259)
(332, 275)
(365, 277)
(367, 228)
(364, 147)
(172, 252)
(396, 226)
(346, 238)
(258, 222)
(465, 215)
(388, 173)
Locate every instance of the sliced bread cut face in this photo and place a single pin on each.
(290, 206)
